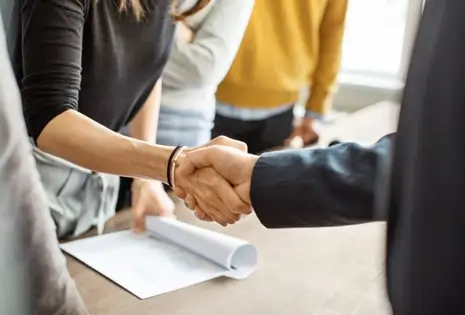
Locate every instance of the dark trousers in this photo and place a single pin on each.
(260, 135)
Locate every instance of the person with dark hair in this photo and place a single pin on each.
(89, 68)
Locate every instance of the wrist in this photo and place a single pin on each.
(249, 173)
(149, 161)
(173, 163)
(312, 115)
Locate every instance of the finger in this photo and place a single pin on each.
(179, 192)
(214, 206)
(228, 196)
(139, 220)
(199, 214)
(190, 202)
(214, 214)
(296, 142)
(202, 215)
(213, 201)
(204, 196)
(217, 193)
(310, 137)
(295, 132)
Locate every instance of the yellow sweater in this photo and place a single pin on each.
(288, 45)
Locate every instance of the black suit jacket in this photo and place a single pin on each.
(422, 194)
(319, 187)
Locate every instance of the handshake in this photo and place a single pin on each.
(214, 180)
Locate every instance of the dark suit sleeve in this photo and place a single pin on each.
(318, 187)
(23, 200)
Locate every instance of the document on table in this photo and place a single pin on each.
(171, 255)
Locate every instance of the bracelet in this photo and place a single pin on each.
(171, 167)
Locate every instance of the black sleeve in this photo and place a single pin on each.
(318, 187)
(51, 58)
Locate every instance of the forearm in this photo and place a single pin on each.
(322, 187)
(82, 141)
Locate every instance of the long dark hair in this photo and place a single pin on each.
(138, 10)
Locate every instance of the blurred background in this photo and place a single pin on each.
(378, 39)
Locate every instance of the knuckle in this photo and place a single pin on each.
(216, 148)
(222, 139)
(179, 192)
(239, 207)
(231, 216)
(242, 146)
(207, 194)
(245, 209)
(232, 220)
(213, 181)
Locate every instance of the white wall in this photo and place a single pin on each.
(355, 94)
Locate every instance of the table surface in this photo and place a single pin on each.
(320, 271)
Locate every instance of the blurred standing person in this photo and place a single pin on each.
(288, 46)
(204, 48)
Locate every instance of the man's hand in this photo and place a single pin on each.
(233, 166)
(305, 130)
(149, 198)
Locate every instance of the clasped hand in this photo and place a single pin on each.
(214, 180)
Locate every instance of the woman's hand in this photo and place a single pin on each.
(149, 198)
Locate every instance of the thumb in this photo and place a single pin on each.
(139, 217)
(296, 132)
(179, 192)
(195, 159)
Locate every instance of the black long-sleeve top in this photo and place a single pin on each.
(87, 56)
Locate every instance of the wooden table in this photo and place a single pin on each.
(324, 271)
